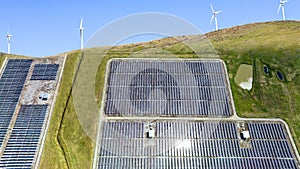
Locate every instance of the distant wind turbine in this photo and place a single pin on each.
(214, 16)
(81, 33)
(8, 36)
(281, 5)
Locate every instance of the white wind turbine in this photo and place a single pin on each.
(81, 33)
(281, 5)
(214, 16)
(8, 36)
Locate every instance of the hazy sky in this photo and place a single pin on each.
(43, 28)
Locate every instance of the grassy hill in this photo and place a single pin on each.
(275, 44)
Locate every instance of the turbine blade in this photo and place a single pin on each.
(278, 9)
(212, 18)
(218, 12)
(81, 23)
(212, 8)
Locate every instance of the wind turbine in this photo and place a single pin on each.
(214, 16)
(8, 36)
(81, 33)
(281, 5)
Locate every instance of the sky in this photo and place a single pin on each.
(46, 28)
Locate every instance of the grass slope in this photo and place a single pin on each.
(275, 44)
(66, 145)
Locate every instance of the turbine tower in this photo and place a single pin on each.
(214, 16)
(8, 36)
(281, 5)
(81, 34)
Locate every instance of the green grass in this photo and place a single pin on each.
(66, 144)
(275, 44)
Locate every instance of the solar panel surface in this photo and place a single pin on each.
(11, 85)
(21, 149)
(193, 145)
(167, 88)
(44, 72)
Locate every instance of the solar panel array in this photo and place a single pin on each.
(11, 85)
(23, 142)
(44, 72)
(194, 145)
(167, 88)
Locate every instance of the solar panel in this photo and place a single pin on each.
(44, 72)
(23, 142)
(167, 88)
(192, 145)
(11, 85)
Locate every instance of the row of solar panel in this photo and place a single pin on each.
(166, 80)
(5, 116)
(219, 126)
(11, 87)
(12, 63)
(13, 75)
(143, 80)
(199, 67)
(146, 93)
(43, 77)
(194, 148)
(193, 130)
(266, 131)
(5, 98)
(188, 130)
(204, 163)
(24, 139)
(122, 130)
(196, 130)
(45, 67)
(170, 93)
(165, 108)
(44, 72)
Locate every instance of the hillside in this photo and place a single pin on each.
(275, 44)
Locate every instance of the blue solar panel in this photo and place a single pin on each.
(11, 85)
(167, 88)
(44, 72)
(192, 145)
(23, 142)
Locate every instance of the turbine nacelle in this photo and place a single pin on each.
(8, 35)
(283, 2)
(216, 13)
(81, 25)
